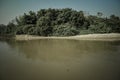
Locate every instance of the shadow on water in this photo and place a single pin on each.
(59, 60)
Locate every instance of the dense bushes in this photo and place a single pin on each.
(51, 22)
(61, 22)
(65, 30)
(7, 30)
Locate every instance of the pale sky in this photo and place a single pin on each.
(9, 9)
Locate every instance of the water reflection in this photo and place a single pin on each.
(59, 60)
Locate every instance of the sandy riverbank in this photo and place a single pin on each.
(110, 37)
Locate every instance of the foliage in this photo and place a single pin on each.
(3, 29)
(61, 22)
(9, 29)
(65, 30)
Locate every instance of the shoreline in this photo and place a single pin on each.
(101, 37)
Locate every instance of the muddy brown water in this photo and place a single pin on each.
(59, 60)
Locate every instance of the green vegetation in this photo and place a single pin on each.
(61, 22)
(8, 30)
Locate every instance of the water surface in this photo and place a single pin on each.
(59, 60)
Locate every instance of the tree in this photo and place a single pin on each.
(26, 19)
(99, 14)
(77, 19)
(65, 30)
(114, 23)
(3, 29)
(44, 24)
(11, 28)
(61, 22)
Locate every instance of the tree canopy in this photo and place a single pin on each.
(61, 22)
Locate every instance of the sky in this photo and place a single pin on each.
(9, 9)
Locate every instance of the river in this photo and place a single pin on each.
(59, 60)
